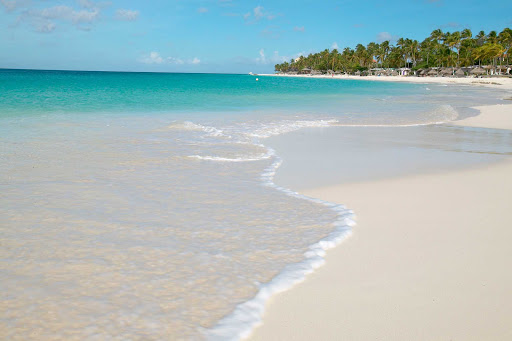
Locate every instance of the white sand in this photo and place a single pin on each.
(501, 83)
(496, 116)
(429, 259)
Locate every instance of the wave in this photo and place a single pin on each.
(227, 159)
(246, 316)
(283, 127)
(191, 126)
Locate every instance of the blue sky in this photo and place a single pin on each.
(216, 35)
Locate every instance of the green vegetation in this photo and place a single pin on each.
(440, 49)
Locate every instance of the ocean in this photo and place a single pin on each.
(143, 205)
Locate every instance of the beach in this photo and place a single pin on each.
(174, 206)
(494, 82)
(429, 258)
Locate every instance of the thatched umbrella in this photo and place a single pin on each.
(459, 73)
(478, 71)
(432, 73)
(394, 73)
(447, 72)
(357, 73)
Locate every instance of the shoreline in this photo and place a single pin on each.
(438, 279)
(501, 83)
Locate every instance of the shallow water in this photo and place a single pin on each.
(143, 206)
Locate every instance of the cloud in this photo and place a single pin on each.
(45, 27)
(450, 25)
(155, 58)
(47, 19)
(298, 28)
(271, 32)
(335, 46)
(274, 58)
(152, 58)
(261, 58)
(202, 10)
(172, 60)
(226, 3)
(86, 3)
(12, 5)
(44, 20)
(383, 36)
(126, 15)
(257, 14)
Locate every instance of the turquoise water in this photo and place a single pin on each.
(115, 92)
(142, 205)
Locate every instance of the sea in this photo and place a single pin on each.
(143, 206)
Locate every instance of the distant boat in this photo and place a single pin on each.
(253, 74)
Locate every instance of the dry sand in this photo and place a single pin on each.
(429, 259)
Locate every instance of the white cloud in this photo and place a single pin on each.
(67, 13)
(262, 55)
(202, 10)
(45, 27)
(335, 46)
(47, 19)
(275, 57)
(86, 3)
(12, 5)
(298, 28)
(383, 36)
(152, 58)
(155, 58)
(172, 60)
(261, 58)
(258, 13)
(126, 15)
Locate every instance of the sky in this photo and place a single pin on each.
(221, 36)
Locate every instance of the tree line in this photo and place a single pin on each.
(440, 49)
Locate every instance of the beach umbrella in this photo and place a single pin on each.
(477, 71)
(447, 72)
(460, 73)
(432, 73)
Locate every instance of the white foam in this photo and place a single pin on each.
(191, 126)
(246, 316)
(282, 127)
(226, 159)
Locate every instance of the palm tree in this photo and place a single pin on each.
(505, 39)
(439, 49)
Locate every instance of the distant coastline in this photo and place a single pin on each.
(456, 54)
(496, 82)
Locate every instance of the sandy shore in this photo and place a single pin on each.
(429, 259)
(502, 83)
